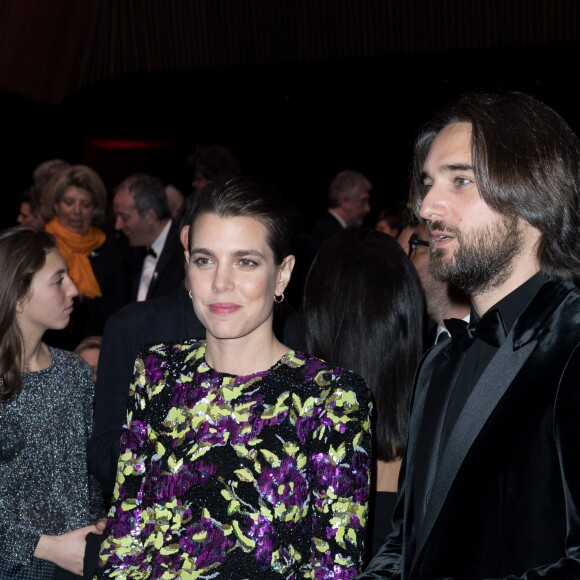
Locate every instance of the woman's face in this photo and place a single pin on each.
(76, 210)
(49, 302)
(232, 275)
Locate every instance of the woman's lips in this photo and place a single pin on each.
(224, 308)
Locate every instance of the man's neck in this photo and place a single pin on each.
(484, 301)
(524, 265)
(457, 311)
(339, 214)
(156, 230)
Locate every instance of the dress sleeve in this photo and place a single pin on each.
(126, 525)
(339, 461)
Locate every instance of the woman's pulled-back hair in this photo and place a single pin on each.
(248, 197)
(526, 162)
(363, 310)
(22, 254)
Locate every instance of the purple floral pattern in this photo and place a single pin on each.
(263, 476)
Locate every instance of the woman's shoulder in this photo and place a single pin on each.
(176, 348)
(66, 363)
(316, 370)
(68, 358)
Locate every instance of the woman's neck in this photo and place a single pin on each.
(245, 355)
(35, 357)
(387, 475)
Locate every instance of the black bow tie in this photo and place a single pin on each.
(490, 328)
(150, 252)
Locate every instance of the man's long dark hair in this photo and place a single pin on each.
(527, 164)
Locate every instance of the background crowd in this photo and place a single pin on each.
(300, 457)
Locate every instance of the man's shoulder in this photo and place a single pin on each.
(325, 226)
(142, 311)
(326, 219)
(172, 242)
(554, 310)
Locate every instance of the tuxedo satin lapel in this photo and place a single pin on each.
(424, 375)
(491, 387)
(421, 425)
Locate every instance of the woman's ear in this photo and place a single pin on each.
(284, 273)
(183, 234)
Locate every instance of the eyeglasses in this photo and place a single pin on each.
(415, 241)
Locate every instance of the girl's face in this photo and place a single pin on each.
(232, 275)
(49, 302)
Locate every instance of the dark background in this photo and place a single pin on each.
(297, 90)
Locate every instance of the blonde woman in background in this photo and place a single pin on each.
(75, 205)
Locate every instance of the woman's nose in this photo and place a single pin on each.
(222, 281)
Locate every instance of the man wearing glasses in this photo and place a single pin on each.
(443, 300)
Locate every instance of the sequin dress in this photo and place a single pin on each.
(44, 487)
(261, 476)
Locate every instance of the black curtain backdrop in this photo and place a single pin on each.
(298, 89)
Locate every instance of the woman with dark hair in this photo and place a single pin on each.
(241, 458)
(363, 310)
(75, 204)
(46, 394)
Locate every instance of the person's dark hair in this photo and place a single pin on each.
(363, 310)
(80, 176)
(148, 192)
(394, 216)
(248, 197)
(214, 161)
(31, 196)
(527, 164)
(347, 183)
(22, 254)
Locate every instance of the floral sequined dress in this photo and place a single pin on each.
(261, 476)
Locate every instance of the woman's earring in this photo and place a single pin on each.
(279, 299)
(190, 295)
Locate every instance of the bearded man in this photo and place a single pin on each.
(490, 482)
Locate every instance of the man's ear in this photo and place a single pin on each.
(150, 216)
(284, 274)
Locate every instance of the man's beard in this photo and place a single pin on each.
(484, 258)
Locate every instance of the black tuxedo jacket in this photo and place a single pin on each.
(167, 318)
(504, 501)
(169, 270)
(325, 227)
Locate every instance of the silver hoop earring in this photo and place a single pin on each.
(279, 299)
(190, 295)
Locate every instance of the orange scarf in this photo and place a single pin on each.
(75, 249)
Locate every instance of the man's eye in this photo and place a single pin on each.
(202, 261)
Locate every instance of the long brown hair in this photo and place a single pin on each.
(22, 254)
